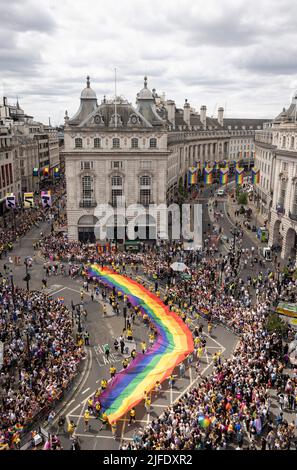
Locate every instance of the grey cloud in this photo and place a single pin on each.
(25, 15)
(272, 60)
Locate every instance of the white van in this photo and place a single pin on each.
(221, 192)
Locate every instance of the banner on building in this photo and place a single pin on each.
(10, 201)
(35, 171)
(239, 175)
(224, 175)
(46, 199)
(255, 176)
(56, 172)
(207, 175)
(28, 200)
(192, 176)
(46, 171)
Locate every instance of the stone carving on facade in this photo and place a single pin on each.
(134, 120)
(112, 121)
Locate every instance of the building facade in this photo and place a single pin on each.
(34, 144)
(283, 223)
(141, 154)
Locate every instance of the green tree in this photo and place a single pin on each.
(275, 324)
(242, 199)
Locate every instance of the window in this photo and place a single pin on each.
(145, 181)
(78, 143)
(87, 188)
(116, 143)
(153, 143)
(292, 142)
(97, 143)
(134, 143)
(116, 181)
(145, 196)
(116, 196)
(284, 166)
(284, 141)
(86, 165)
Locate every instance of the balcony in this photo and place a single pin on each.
(293, 216)
(87, 204)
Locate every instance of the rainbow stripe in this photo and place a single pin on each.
(192, 176)
(207, 175)
(174, 343)
(239, 175)
(255, 176)
(224, 175)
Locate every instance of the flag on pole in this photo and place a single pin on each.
(10, 201)
(46, 199)
(192, 176)
(207, 175)
(46, 171)
(224, 175)
(255, 176)
(239, 175)
(35, 171)
(56, 172)
(28, 200)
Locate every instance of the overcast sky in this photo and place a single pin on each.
(238, 54)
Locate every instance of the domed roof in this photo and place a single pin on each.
(88, 93)
(145, 93)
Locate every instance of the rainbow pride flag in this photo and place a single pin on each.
(207, 175)
(255, 176)
(239, 175)
(224, 175)
(192, 176)
(173, 344)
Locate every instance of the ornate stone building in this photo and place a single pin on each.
(114, 153)
(283, 223)
(115, 150)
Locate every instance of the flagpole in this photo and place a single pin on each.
(115, 97)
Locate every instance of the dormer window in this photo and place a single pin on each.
(153, 143)
(78, 143)
(97, 143)
(134, 143)
(116, 143)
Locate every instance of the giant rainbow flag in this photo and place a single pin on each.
(173, 344)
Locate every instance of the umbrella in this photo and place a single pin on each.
(178, 266)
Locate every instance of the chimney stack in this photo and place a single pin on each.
(170, 107)
(187, 112)
(221, 116)
(203, 115)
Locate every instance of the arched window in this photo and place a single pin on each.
(78, 143)
(134, 143)
(97, 143)
(153, 143)
(284, 141)
(116, 181)
(292, 142)
(116, 143)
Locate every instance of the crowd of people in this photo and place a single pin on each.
(19, 221)
(40, 358)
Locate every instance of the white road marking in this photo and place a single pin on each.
(59, 290)
(85, 390)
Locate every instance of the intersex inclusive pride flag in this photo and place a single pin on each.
(207, 175)
(255, 176)
(192, 175)
(224, 175)
(239, 175)
(173, 344)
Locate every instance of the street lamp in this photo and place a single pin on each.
(28, 276)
